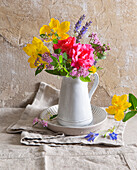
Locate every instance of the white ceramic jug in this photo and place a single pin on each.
(74, 103)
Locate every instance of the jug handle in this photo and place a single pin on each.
(95, 85)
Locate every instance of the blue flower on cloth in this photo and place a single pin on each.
(91, 136)
(113, 136)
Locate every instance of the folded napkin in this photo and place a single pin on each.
(35, 135)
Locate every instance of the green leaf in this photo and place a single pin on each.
(94, 45)
(63, 73)
(60, 59)
(129, 115)
(40, 55)
(42, 35)
(55, 41)
(39, 69)
(85, 79)
(57, 51)
(52, 117)
(101, 56)
(65, 56)
(54, 59)
(55, 72)
(99, 68)
(65, 70)
(133, 101)
(64, 63)
(68, 75)
(53, 63)
(56, 34)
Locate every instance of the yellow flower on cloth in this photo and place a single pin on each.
(54, 28)
(119, 105)
(93, 69)
(33, 50)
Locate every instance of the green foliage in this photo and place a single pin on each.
(39, 69)
(53, 116)
(133, 101)
(94, 45)
(54, 62)
(85, 79)
(43, 36)
(56, 34)
(54, 58)
(59, 66)
(129, 115)
(55, 41)
(40, 55)
(101, 56)
(65, 56)
(60, 59)
(55, 72)
(133, 107)
(57, 51)
(63, 72)
(99, 68)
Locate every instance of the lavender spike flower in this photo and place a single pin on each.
(78, 24)
(83, 31)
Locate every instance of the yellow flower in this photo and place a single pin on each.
(55, 27)
(93, 69)
(119, 105)
(33, 50)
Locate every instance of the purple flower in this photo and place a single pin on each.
(74, 72)
(78, 24)
(83, 31)
(35, 121)
(95, 62)
(46, 57)
(96, 44)
(44, 123)
(91, 136)
(57, 55)
(94, 39)
(113, 136)
(80, 72)
(49, 67)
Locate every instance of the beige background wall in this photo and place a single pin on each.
(115, 21)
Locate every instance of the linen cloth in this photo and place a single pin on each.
(15, 157)
(30, 135)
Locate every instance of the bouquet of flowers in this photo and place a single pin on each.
(69, 57)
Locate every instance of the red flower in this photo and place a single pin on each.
(65, 45)
(82, 56)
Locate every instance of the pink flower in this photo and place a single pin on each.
(35, 121)
(82, 56)
(44, 123)
(80, 72)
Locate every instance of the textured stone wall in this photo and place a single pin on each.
(115, 21)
